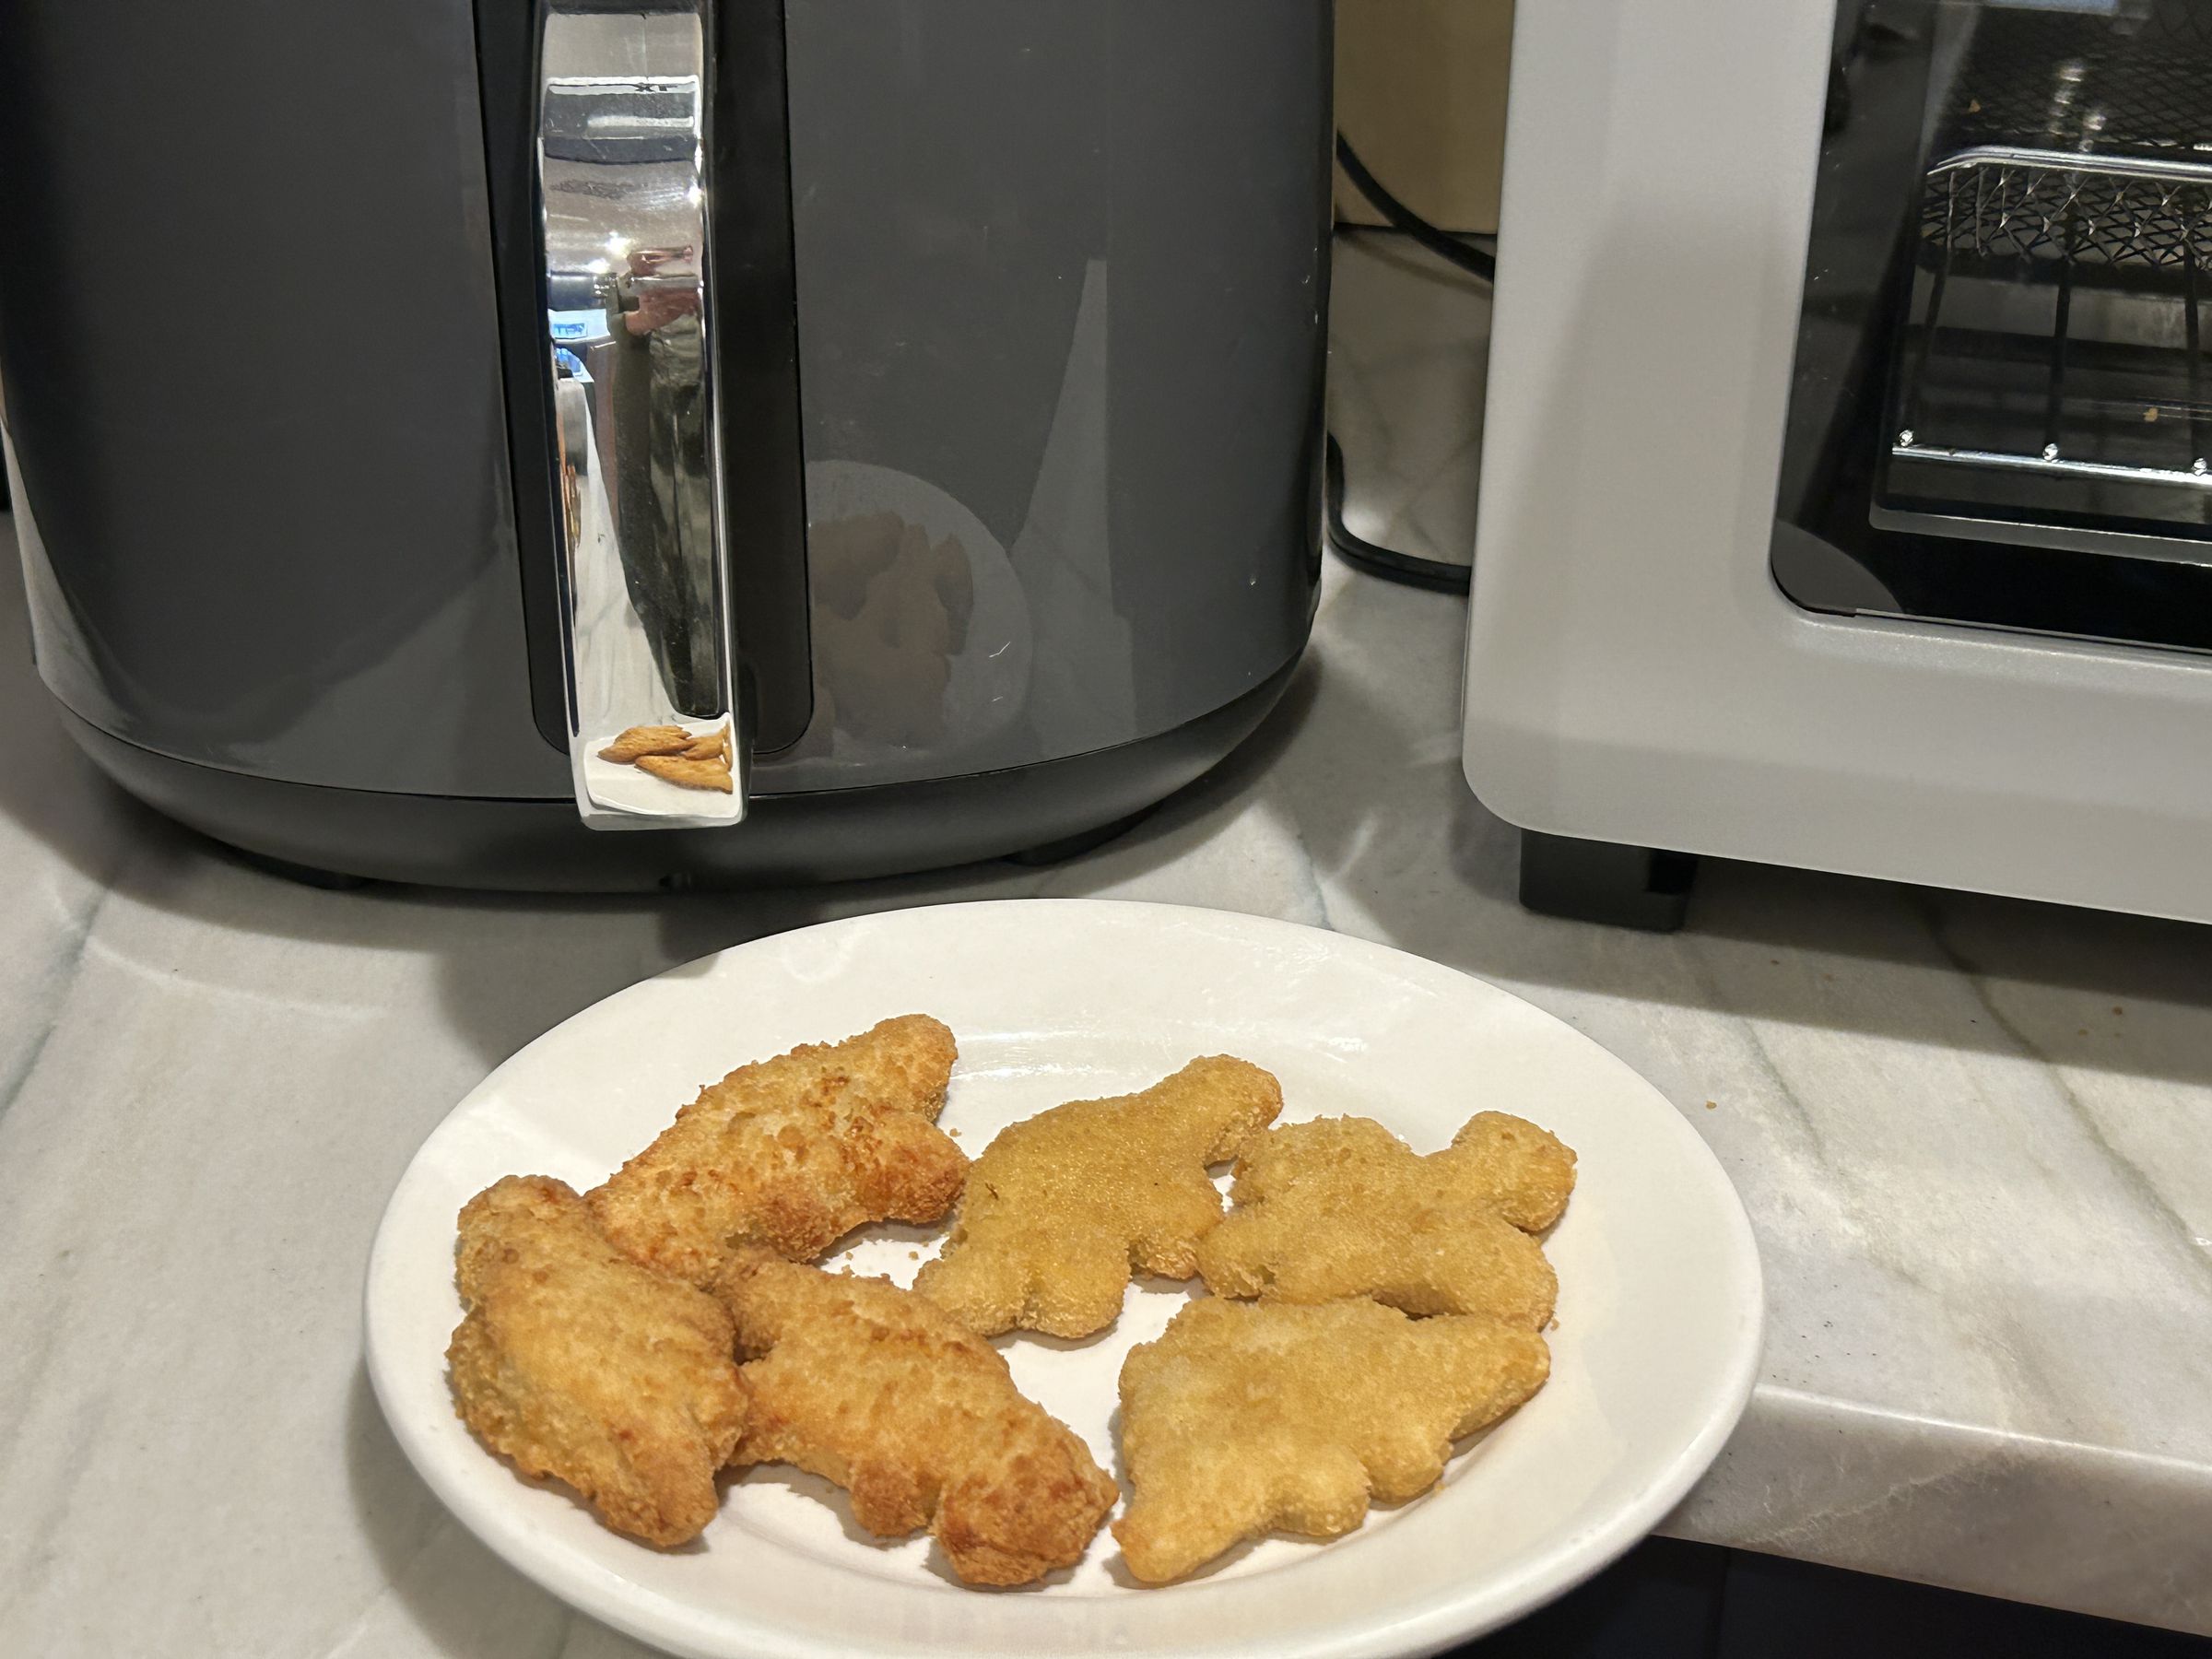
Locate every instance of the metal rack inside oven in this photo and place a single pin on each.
(2050, 385)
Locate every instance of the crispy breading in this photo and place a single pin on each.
(1249, 1417)
(793, 1152)
(878, 1390)
(574, 1361)
(1527, 1172)
(1060, 1207)
(1341, 1206)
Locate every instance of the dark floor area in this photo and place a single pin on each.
(1669, 1600)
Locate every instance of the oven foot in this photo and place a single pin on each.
(1605, 881)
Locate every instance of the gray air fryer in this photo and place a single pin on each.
(907, 411)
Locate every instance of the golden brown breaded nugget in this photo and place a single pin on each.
(1060, 1207)
(1527, 1172)
(1341, 1206)
(1247, 1416)
(793, 1152)
(879, 1390)
(576, 1362)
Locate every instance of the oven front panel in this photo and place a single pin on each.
(1637, 672)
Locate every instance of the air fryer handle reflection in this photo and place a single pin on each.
(656, 736)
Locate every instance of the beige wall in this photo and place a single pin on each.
(1420, 93)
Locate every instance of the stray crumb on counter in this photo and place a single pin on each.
(1712, 1105)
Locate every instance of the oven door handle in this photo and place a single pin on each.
(657, 737)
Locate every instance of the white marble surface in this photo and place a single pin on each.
(1406, 383)
(1974, 1136)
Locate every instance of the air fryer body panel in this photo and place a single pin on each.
(1050, 258)
(1056, 277)
(246, 344)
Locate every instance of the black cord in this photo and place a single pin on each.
(1436, 574)
(1442, 243)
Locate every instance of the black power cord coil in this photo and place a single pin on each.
(1436, 574)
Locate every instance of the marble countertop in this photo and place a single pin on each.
(1974, 1136)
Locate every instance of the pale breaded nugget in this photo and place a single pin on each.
(1060, 1206)
(1247, 1416)
(876, 1389)
(576, 1362)
(1341, 1206)
(793, 1152)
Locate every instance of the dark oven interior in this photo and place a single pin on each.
(2000, 412)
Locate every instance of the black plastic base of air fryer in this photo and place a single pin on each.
(1605, 881)
(310, 831)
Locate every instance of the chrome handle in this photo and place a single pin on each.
(649, 644)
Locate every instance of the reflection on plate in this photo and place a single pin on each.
(921, 634)
(1653, 1358)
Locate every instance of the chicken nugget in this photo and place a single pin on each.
(1245, 1417)
(792, 1153)
(1527, 1172)
(878, 1390)
(1341, 1206)
(574, 1361)
(1060, 1207)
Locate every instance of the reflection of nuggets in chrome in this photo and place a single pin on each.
(1059, 1209)
(688, 774)
(638, 741)
(715, 745)
(1341, 1206)
(793, 1152)
(878, 1390)
(574, 1361)
(1248, 1417)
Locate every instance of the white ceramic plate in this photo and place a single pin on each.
(1659, 1289)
